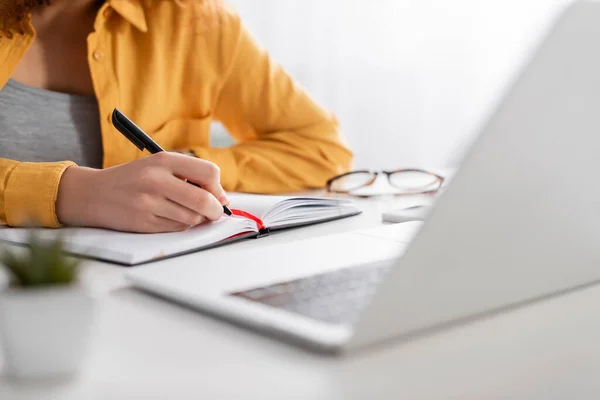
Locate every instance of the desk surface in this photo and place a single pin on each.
(150, 349)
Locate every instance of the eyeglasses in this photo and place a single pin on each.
(406, 181)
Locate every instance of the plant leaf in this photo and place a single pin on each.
(45, 263)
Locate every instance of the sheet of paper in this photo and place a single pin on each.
(130, 248)
(257, 205)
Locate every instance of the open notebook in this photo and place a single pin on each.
(271, 212)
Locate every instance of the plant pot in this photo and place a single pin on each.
(45, 332)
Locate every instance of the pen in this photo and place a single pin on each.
(142, 141)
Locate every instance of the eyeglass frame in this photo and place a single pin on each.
(439, 179)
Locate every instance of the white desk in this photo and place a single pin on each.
(146, 348)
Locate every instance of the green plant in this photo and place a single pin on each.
(44, 263)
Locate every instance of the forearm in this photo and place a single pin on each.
(280, 162)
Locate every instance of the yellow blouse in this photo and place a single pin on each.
(173, 70)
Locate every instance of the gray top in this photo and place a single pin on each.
(42, 125)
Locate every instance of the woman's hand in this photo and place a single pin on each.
(147, 195)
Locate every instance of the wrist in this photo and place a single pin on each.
(73, 198)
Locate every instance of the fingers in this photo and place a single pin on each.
(154, 224)
(178, 213)
(198, 171)
(160, 225)
(193, 198)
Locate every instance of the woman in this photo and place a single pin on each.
(172, 66)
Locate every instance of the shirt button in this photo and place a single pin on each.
(98, 55)
(108, 12)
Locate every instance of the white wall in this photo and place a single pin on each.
(409, 79)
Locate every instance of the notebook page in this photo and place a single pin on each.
(304, 210)
(299, 205)
(314, 216)
(270, 208)
(132, 248)
(255, 204)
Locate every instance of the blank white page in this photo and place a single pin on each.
(287, 211)
(257, 205)
(133, 248)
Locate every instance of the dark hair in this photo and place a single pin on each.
(13, 14)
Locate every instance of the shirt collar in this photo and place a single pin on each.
(132, 11)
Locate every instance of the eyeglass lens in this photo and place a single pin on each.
(352, 181)
(406, 180)
(414, 180)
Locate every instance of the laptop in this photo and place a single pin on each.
(520, 221)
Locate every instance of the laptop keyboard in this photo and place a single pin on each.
(335, 297)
